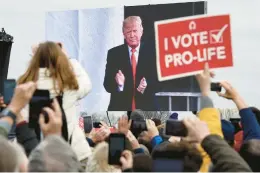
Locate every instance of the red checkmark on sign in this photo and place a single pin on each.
(216, 36)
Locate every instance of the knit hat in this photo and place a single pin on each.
(174, 116)
(137, 115)
(228, 130)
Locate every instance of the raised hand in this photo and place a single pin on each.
(142, 86)
(55, 120)
(230, 93)
(123, 125)
(197, 130)
(152, 129)
(120, 78)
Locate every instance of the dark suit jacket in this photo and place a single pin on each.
(118, 58)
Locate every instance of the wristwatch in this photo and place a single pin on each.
(7, 112)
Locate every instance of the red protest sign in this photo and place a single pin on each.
(184, 45)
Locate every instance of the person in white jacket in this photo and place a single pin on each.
(52, 70)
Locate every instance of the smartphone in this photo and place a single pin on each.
(88, 124)
(235, 122)
(138, 125)
(8, 91)
(40, 99)
(116, 147)
(215, 87)
(97, 125)
(175, 128)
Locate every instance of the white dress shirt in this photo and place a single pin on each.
(137, 50)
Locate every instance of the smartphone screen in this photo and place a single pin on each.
(97, 125)
(138, 125)
(40, 99)
(235, 122)
(215, 87)
(175, 128)
(116, 147)
(9, 87)
(88, 125)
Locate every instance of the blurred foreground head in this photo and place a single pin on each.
(250, 151)
(176, 157)
(12, 157)
(98, 161)
(53, 154)
(137, 115)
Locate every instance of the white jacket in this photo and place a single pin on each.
(79, 143)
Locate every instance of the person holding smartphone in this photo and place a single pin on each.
(2, 104)
(53, 70)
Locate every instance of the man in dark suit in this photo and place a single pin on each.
(131, 75)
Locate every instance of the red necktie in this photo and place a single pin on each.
(133, 61)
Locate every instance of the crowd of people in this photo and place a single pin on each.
(58, 144)
(208, 146)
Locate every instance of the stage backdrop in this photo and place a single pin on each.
(88, 34)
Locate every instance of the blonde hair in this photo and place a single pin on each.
(132, 19)
(50, 56)
(98, 161)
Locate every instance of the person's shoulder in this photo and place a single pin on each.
(73, 60)
(118, 48)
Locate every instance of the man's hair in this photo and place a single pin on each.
(132, 19)
(184, 151)
(53, 154)
(146, 150)
(144, 142)
(8, 156)
(250, 151)
(142, 163)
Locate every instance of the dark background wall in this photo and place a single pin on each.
(151, 13)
